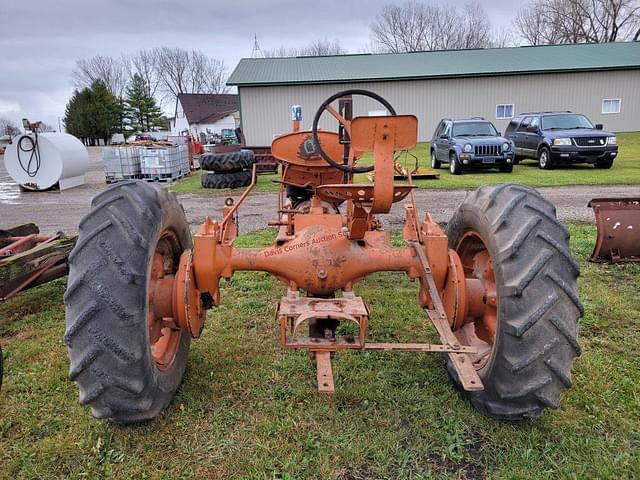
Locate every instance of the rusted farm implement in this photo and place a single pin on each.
(618, 229)
(29, 258)
(499, 286)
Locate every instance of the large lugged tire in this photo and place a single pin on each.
(225, 180)
(228, 162)
(107, 315)
(538, 307)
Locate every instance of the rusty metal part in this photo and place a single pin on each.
(322, 250)
(478, 324)
(22, 244)
(302, 164)
(461, 361)
(404, 171)
(28, 258)
(383, 136)
(417, 347)
(229, 213)
(294, 310)
(359, 193)
(265, 162)
(454, 296)
(164, 332)
(48, 271)
(324, 372)
(317, 248)
(188, 308)
(618, 229)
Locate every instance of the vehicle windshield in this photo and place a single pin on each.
(474, 129)
(566, 121)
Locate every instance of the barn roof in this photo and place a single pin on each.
(208, 108)
(436, 64)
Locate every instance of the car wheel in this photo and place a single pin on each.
(454, 164)
(506, 168)
(544, 159)
(605, 163)
(435, 163)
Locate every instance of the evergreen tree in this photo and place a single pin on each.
(141, 109)
(92, 114)
(105, 112)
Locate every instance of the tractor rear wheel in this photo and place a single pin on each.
(508, 237)
(127, 361)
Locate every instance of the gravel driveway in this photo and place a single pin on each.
(54, 211)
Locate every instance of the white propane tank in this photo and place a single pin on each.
(58, 158)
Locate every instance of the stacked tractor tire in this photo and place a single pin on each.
(227, 170)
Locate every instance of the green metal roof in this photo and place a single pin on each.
(438, 64)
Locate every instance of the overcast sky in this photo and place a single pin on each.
(40, 40)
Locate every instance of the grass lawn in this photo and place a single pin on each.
(625, 171)
(248, 409)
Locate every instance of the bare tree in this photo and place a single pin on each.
(323, 47)
(216, 75)
(189, 71)
(536, 25)
(416, 26)
(145, 64)
(7, 127)
(316, 48)
(400, 28)
(608, 20)
(114, 73)
(477, 26)
(503, 38)
(579, 21)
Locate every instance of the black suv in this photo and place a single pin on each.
(470, 142)
(561, 137)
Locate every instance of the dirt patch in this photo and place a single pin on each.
(7, 338)
(54, 211)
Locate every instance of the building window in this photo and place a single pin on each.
(504, 110)
(611, 105)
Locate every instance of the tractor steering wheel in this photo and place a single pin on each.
(326, 105)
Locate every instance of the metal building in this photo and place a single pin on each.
(599, 80)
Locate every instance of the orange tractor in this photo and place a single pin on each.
(499, 286)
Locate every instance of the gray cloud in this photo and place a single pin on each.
(41, 40)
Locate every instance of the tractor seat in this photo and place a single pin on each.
(358, 193)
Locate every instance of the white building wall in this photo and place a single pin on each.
(180, 123)
(266, 111)
(216, 127)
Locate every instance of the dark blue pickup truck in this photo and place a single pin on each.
(554, 138)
